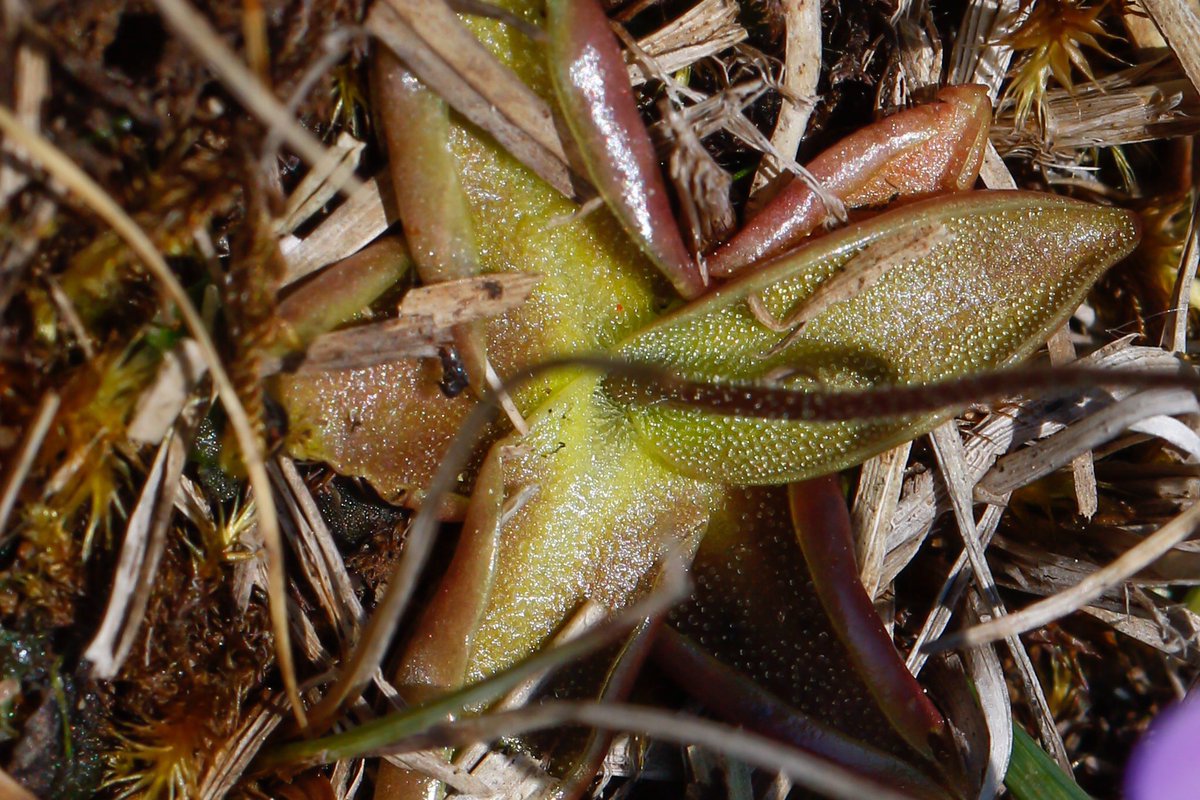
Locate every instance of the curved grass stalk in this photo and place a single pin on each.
(93, 196)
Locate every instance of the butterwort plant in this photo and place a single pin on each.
(602, 475)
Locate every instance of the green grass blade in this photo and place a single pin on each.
(1032, 775)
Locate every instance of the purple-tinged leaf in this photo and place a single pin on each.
(593, 88)
(936, 147)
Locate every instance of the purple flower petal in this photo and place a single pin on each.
(1165, 765)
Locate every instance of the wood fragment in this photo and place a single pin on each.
(357, 222)
(704, 30)
(924, 499)
(427, 315)
(861, 272)
(917, 68)
(958, 579)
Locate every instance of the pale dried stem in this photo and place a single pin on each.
(95, 198)
(31, 86)
(1176, 328)
(1083, 470)
(801, 73)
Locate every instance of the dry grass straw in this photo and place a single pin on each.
(1085, 592)
(62, 169)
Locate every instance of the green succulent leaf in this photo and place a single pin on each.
(951, 286)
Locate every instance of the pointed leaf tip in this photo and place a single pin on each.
(593, 88)
(930, 148)
(1004, 269)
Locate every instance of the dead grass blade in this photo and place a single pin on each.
(316, 552)
(957, 581)
(428, 37)
(99, 202)
(804, 769)
(160, 404)
(1143, 103)
(980, 54)
(321, 183)
(141, 551)
(1038, 460)
(34, 436)
(704, 30)
(1082, 594)
(235, 755)
(669, 590)
(1176, 327)
(948, 446)
(875, 503)
(987, 678)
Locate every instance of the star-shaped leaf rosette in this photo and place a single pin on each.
(673, 433)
